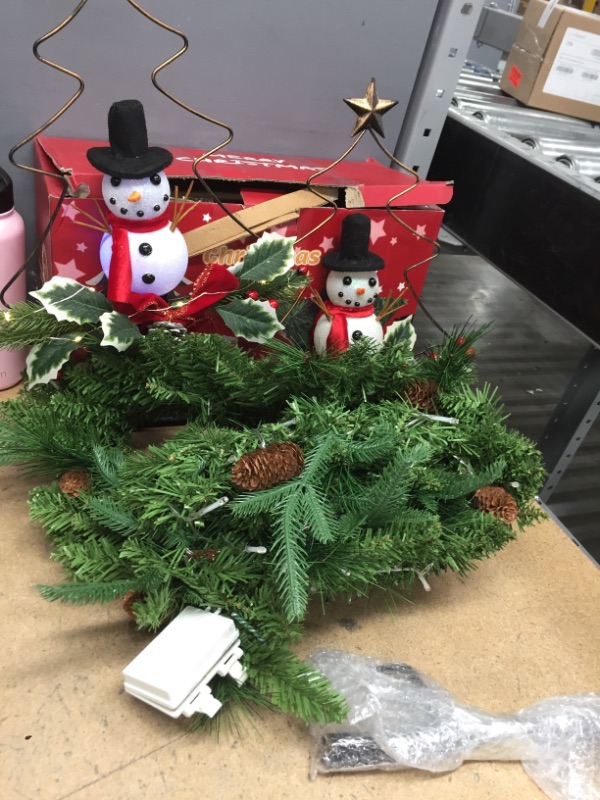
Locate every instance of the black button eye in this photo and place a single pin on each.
(357, 335)
(372, 281)
(140, 213)
(165, 197)
(112, 201)
(340, 294)
(145, 249)
(115, 181)
(157, 208)
(347, 280)
(148, 278)
(155, 179)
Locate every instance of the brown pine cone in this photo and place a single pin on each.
(268, 466)
(73, 482)
(208, 553)
(421, 394)
(494, 500)
(132, 596)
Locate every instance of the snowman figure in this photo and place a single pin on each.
(142, 255)
(352, 286)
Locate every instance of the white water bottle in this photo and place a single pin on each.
(12, 257)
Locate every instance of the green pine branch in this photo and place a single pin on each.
(28, 324)
(110, 515)
(294, 687)
(84, 593)
(385, 495)
(289, 557)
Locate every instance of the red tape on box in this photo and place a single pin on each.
(514, 76)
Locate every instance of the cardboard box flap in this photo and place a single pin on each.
(51, 162)
(386, 183)
(360, 184)
(254, 196)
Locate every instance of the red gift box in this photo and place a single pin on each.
(270, 189)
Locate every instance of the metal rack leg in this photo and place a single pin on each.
(449, 41)
(571, 420)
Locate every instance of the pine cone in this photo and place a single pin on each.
(494, 500)
(176, 329)
(209, 553)
(421, 394)
(73, 482)
(268, 466)
(132, 596)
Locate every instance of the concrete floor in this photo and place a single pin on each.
(530, 353)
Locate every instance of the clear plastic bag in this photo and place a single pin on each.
(400, 718)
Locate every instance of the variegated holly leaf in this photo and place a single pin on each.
(268, 258)
(401, 331)
(119, 331)
(69, 300)
(45, 360)
(254, 320)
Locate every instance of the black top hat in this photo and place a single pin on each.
(128, 155)
(354, 254)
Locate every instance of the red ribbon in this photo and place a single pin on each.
(338, 335)
(119, 276)
(213, 284)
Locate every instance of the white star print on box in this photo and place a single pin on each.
(377, 230)
(421, 230)
(81, 247)
(401, 287)
(206, 218)
(326, 244)
(70, 270)
(393, 241)
(69, 211)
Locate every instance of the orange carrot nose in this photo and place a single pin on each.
(360, 291)
(134, 196)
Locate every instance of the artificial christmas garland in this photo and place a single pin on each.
(290, 474)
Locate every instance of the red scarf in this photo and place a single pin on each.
(119, 276)
(338, 335)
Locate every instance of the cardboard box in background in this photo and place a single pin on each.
(270, 188)
(581, 4)
(556, 65)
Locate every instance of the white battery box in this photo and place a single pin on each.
(174, 671)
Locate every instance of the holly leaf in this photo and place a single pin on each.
(69, 300)
(401, 331)
(254, 320)
(45, 360)
(119, 331)
(268, 258)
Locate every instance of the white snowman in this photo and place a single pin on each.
(141, 255)
(352, 286)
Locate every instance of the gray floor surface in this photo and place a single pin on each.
(530, 353)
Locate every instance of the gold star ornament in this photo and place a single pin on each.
(370, 109)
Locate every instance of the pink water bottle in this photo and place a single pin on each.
(12, 256)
